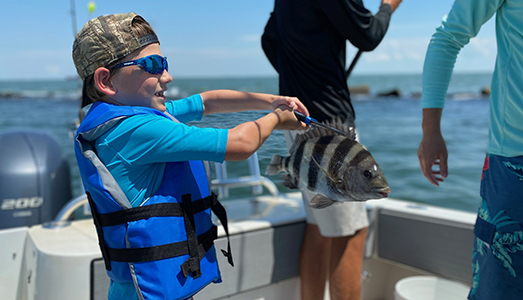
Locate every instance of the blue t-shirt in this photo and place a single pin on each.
(137, 149)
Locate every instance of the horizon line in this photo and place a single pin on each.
(72, 78)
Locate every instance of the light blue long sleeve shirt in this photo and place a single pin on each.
(506, 100)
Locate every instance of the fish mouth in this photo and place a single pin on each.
(383, 192)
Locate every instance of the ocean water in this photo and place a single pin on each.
(390, 127)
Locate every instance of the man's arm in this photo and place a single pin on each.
(357, 24)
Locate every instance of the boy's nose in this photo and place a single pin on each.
(166, 77)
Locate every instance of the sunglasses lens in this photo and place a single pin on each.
(154, 64)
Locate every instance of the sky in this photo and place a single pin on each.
(209, 38)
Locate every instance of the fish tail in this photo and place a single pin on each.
(275, 166)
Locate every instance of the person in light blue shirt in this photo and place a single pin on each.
(498, 247)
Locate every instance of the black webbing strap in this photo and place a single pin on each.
(220, 212)
(195, 246)
(153, 210)
(192, 264)
(205, 242)
(100, 232)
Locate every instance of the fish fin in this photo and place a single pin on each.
(337, 123)
(275, 166)
(320, 201)
(318, 131)
(289, 182)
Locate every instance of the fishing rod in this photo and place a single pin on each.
(73, 17)
(313, 122)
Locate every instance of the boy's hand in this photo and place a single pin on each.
(287, 119)
(291, 102)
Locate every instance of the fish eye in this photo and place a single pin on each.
(367, 174)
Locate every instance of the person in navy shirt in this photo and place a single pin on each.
(305, 41)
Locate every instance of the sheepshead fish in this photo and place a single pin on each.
(333, 166)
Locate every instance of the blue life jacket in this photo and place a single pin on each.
(165, 246)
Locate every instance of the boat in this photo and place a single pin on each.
(60, 258)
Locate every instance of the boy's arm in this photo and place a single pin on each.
(225, 101)
(246, 138)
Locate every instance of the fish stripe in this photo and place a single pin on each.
(286, 163)
(298, 156)
(340, 155)
(318, 153)
(339, 158)
(361, 156)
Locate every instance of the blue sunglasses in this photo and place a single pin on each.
(152, 64)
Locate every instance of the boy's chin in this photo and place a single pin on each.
(160, 106)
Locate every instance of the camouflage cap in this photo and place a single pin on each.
(104, 40)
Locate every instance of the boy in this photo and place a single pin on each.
(141, 166)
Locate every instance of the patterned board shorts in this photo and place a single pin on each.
(497, 259)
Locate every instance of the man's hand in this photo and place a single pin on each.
(432, 149)
(393, 3)
(433, 152)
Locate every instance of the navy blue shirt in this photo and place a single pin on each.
(305, 41)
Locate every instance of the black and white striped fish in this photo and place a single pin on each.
(333, 166)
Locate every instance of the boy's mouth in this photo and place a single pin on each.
(159, 94)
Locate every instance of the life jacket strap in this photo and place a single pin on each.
(145, 254)
(154, 210)
(218, 209)
(100, 232)
(195, 246)
(192, 264)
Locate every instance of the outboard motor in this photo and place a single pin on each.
(34, 178)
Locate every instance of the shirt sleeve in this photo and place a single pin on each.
(187, 109)
(356, 23)
(462, 23)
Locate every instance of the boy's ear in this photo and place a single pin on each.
(102, 80)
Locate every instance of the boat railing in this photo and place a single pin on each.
(222, 183)
(69, 208)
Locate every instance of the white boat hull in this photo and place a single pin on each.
(405, 239)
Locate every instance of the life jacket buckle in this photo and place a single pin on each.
(192, 265)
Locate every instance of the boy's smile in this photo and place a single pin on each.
(135, 87)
